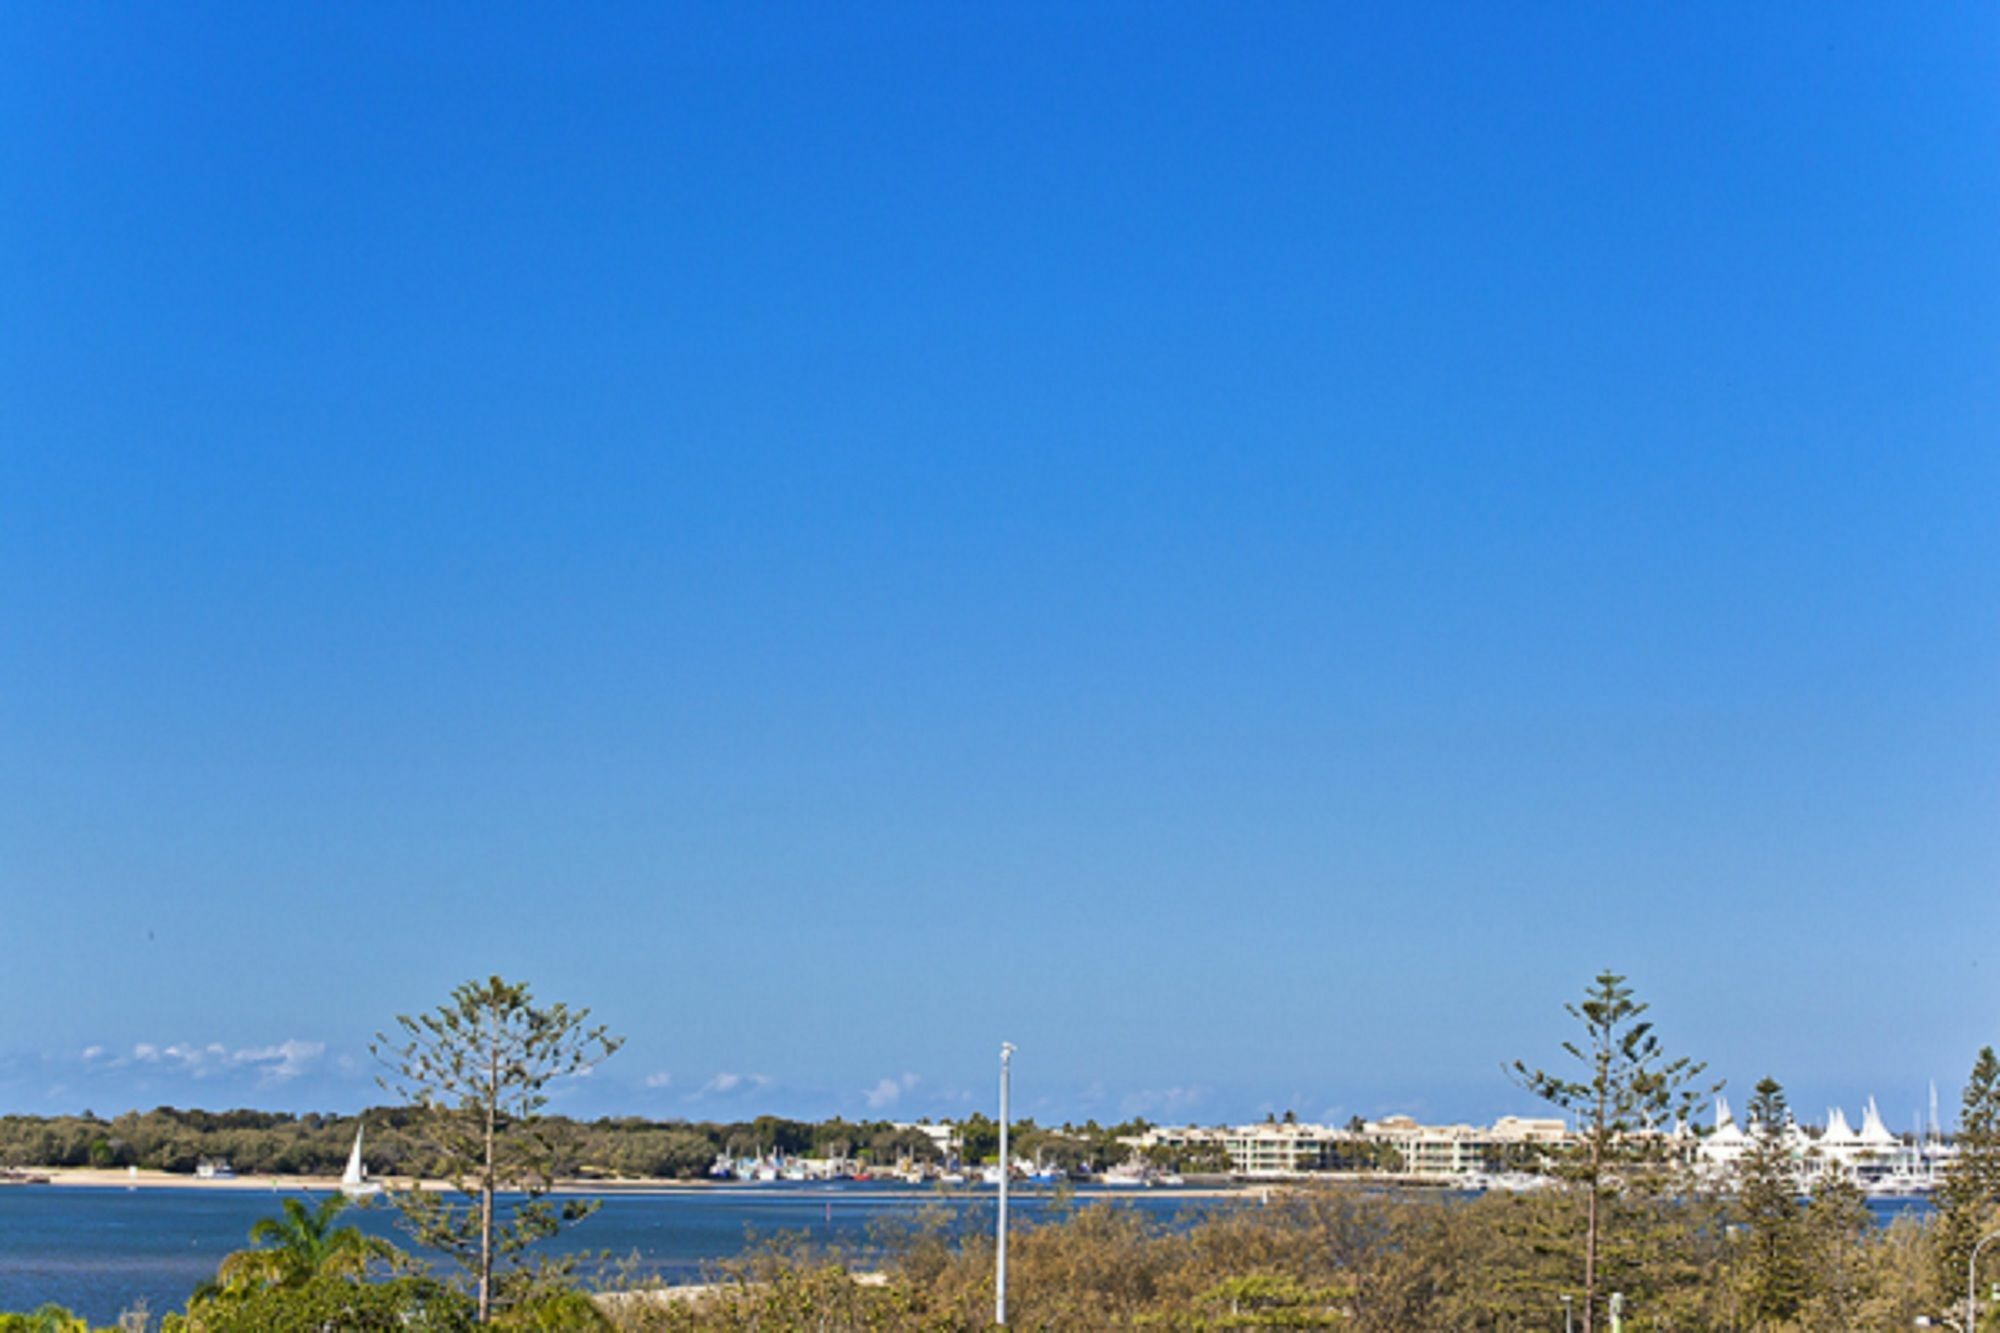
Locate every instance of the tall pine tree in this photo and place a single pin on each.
(1627, 1099)
(1776, 1265)
(477, 1069)
(1968, 1198)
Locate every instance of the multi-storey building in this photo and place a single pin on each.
(1434, 1152)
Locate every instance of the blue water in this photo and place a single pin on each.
(101, 1251)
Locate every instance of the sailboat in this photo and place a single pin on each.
(354, 1181)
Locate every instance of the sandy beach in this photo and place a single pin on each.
(119, 1178)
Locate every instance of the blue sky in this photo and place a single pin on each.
(1248, 550)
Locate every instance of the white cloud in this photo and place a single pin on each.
(722, 1085)
(662, 1079)
(276, 1063)
(889, 1091)
(287, 1060)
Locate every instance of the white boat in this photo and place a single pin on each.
(1506, 1182)
(1902, 1183)
(1133, 1174)
(354, 1181)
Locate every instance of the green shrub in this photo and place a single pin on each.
(47, 1319)
(402, 1304)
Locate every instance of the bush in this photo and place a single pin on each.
(47, 1319)
(554, 1312)
(407, 1303)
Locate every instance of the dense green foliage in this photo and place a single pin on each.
(47, 1319)
(257, 1142)
(322, 1303)
(302, 1244)
(269, 1143)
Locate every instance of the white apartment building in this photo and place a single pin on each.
(1440, 1152)
(1431, 1152)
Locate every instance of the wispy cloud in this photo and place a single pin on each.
(287, 1060)
(1164, 1103)
(661, 1079)
(279, 1062)
(889, 1091)
(726, 1084)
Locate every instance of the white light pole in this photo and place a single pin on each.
(1972, 1283)
(1000, 1250)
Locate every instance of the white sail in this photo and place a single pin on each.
(354, 1180)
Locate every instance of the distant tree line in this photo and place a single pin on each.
(629, 1147)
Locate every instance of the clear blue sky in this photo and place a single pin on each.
(1247, 549)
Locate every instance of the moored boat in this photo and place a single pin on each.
(354, 1181)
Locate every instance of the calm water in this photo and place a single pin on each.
(98, 1251)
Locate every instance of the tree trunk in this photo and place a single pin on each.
(1590, 1261)
(1597, 1135)
(486, 1185)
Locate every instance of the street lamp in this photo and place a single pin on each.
(1568, 1327)
(1000, 1240)
(1972, 1283)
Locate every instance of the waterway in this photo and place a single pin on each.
(103, 1251)
(100, 1251)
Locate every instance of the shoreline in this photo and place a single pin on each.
(84, 1177)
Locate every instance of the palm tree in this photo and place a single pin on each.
(301, 1245)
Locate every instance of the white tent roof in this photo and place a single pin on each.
(1873, 1131)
